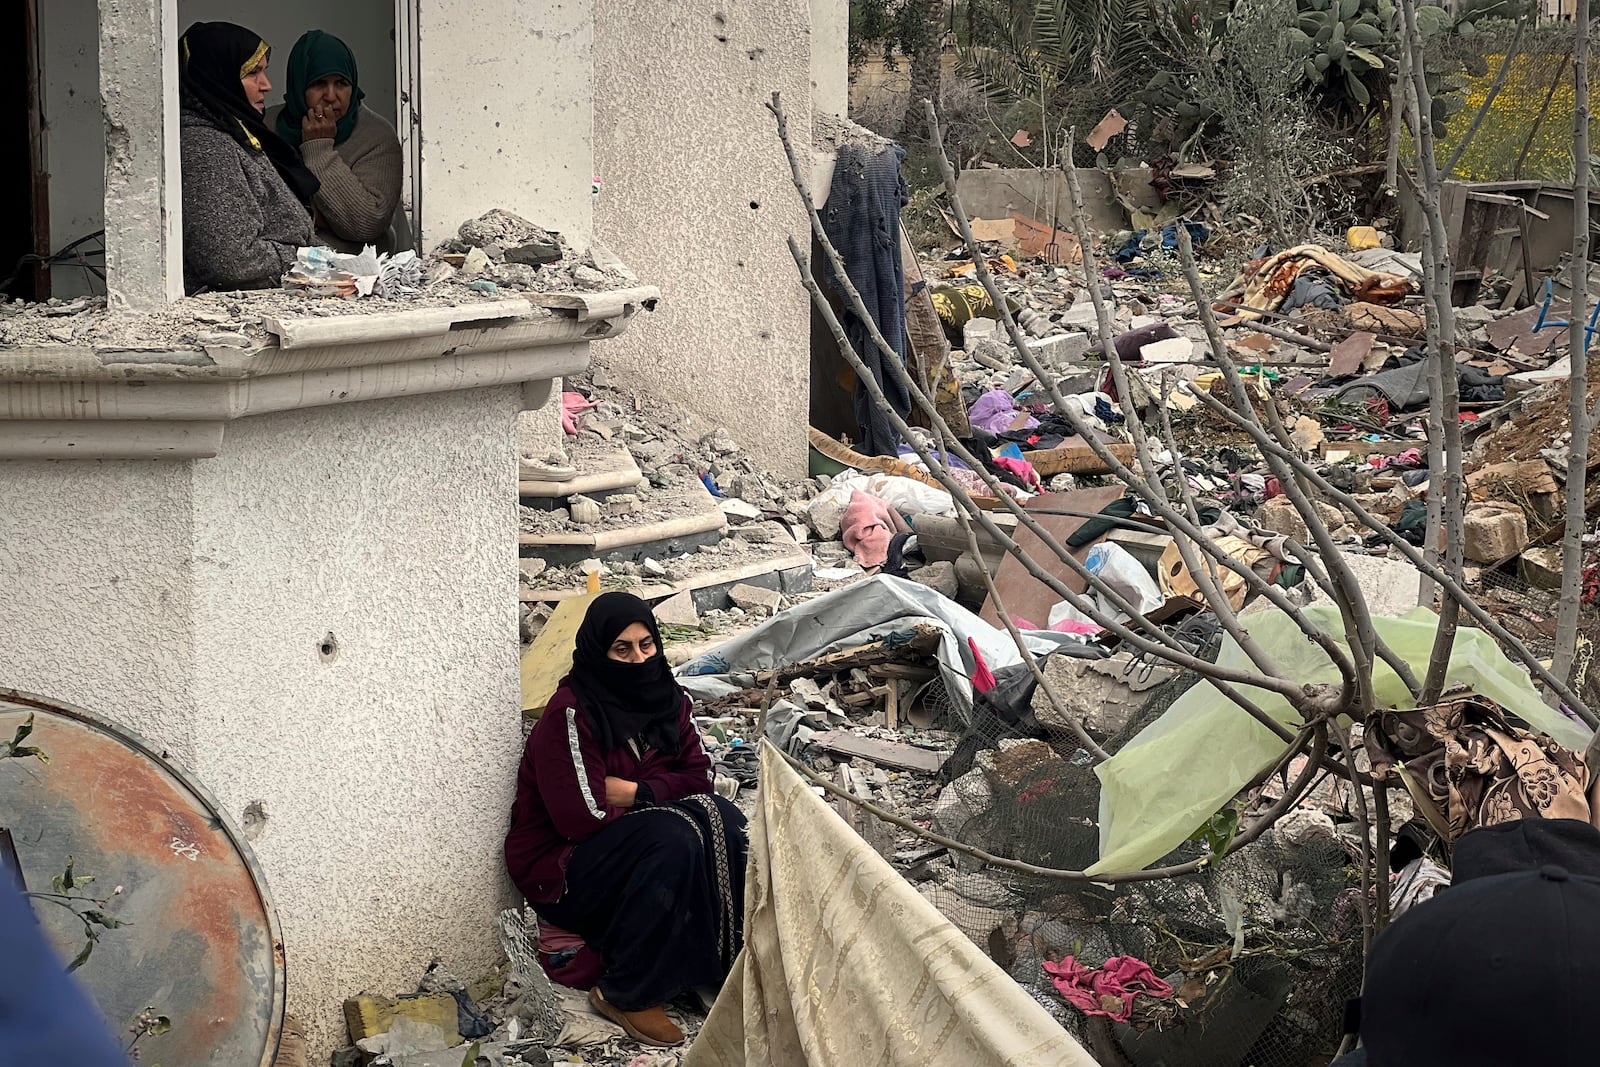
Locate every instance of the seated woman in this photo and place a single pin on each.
(245, 189)
(616, 835)
(353, 152)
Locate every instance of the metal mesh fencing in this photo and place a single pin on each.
(1261, 948)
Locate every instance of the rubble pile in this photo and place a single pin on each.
(494, 257)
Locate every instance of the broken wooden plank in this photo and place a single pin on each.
(1075, 459)
(917, 642)
(884, 753)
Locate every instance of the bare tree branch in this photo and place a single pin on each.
(1488, 98)
(1445, 414)
(1507, 639)
(1346, 591)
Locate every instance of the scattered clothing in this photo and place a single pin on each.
(1476, 768)
(1264, 284)
(1109, 990)
(862, 221)
(995, 411)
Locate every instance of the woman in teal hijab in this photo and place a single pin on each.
(352, 151)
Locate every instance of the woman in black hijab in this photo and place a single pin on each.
(616, 835)
(245, 189)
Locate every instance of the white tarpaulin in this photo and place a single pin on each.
(857, 615)
(846, 964)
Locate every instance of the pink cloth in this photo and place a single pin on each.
(1021, 468)
(983, 678)
(867, 527)
(1109, 991)
(573, 405)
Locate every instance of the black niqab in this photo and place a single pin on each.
(625, 701)
(213, 58)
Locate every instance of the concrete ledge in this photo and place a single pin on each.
(74, 402)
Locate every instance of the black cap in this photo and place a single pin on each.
(1503, 969)
(1527, 845)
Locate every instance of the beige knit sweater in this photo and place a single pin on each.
(360, 183)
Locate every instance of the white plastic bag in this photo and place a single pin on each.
(1113, 565)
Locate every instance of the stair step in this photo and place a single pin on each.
(675, 520)
(786, 567)
(603, 467)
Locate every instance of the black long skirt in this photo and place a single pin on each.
(659, 894)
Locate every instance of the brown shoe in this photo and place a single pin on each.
(648, 1027)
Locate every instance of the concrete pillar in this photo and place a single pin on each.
(699, 200)
(830, 58)
(144, 192)
(507, 112)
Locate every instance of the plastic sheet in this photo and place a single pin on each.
(859, 614)
(1186, 765)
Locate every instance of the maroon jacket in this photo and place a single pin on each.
(561, 790)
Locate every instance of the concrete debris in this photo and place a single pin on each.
(494, 256)
(756, 599)
(1495, 532)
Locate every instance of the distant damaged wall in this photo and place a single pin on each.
(74, 133)
(507, 109)
(698, 201)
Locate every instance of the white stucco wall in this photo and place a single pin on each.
(387, 774)
(97, 606)
(506, 106)
(188, 600)
(698, 200)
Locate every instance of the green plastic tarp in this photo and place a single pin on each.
(1185, 766)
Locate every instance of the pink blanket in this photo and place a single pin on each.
(868, 525)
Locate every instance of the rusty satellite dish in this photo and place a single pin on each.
(202, 944)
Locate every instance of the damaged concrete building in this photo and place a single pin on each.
(281, 547)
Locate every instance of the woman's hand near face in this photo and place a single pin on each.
(318, 125)
(620, 793)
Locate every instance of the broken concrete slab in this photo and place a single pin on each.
(1279, 515)
(678, 610)
(738, 510)
(1097, 692)
(1169, 350)
(756, 599)
(1541, 567)
(939, 576)
(885, 753)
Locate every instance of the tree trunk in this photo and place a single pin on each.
(1578, 346)
(924, 39)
